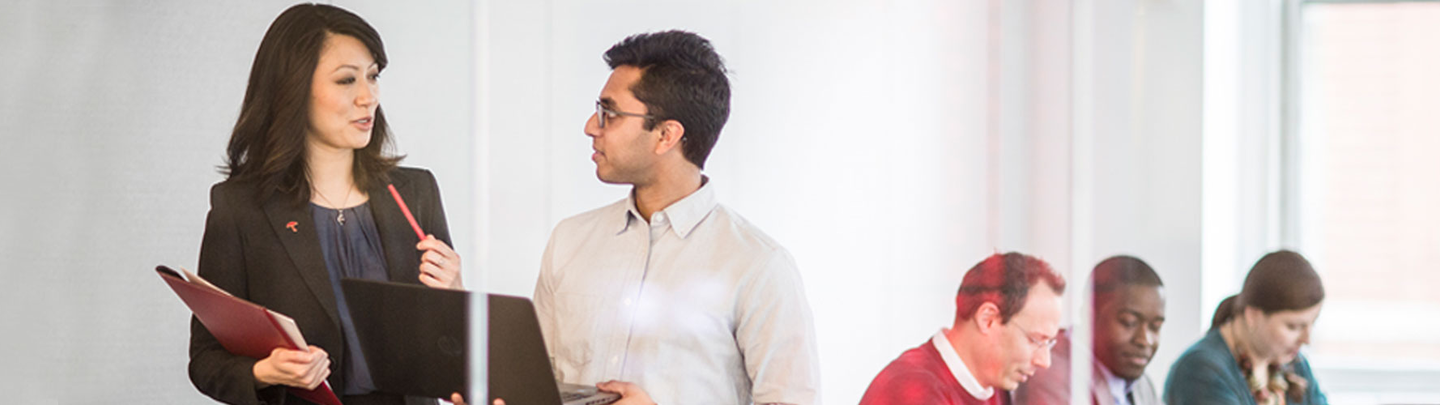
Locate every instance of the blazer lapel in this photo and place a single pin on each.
(1144, 392)
(402, 260)
(1099, 388)
(295, 227)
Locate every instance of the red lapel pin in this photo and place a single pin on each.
(291, 225)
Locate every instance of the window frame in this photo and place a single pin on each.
(1387, 382)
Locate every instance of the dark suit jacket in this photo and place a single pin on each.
(1052, 385)
(250, 250)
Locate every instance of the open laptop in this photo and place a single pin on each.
(415, 339)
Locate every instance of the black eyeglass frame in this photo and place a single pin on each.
(601, 111)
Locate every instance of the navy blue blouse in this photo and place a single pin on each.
(352, 250)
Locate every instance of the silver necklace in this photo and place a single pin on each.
(339, 211)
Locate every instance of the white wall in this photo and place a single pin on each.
(113, 117)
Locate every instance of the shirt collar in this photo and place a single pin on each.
(1118, 386)
(683, 215)
(630, 213)
(958, 369)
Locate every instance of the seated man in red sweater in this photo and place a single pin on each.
(1007, 315)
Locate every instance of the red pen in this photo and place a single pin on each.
(410, 217)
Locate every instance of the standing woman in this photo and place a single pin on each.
(305, 203)
(1251, 355)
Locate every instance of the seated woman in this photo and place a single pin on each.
(1251, 355)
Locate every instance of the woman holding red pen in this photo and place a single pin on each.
(307, 201)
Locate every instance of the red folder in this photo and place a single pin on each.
(244, 328)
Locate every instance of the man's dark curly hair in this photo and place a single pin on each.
(683, 80)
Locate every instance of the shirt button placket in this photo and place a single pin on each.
(634, 284)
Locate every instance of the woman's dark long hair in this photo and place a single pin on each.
(268, 143)
(1280, 281)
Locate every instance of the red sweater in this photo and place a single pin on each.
(920, 376)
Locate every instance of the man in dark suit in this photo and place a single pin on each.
(1129, 302)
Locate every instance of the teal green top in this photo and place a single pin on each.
(1208, 375)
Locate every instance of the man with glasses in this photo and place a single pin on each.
(1007, 316)
(667, 289)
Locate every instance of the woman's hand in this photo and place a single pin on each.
(295, 368)
(630, 394)
(439, 265)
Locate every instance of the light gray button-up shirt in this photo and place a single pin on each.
(697, 306)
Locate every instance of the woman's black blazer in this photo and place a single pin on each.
(268, 253)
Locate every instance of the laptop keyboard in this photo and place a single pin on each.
(576, 395)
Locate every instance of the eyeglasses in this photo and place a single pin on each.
(602, 114)
(1039, 343)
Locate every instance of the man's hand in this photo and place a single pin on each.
(295, 368)
(630, 394)
(458, 399)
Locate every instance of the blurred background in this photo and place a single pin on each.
(889, 144)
